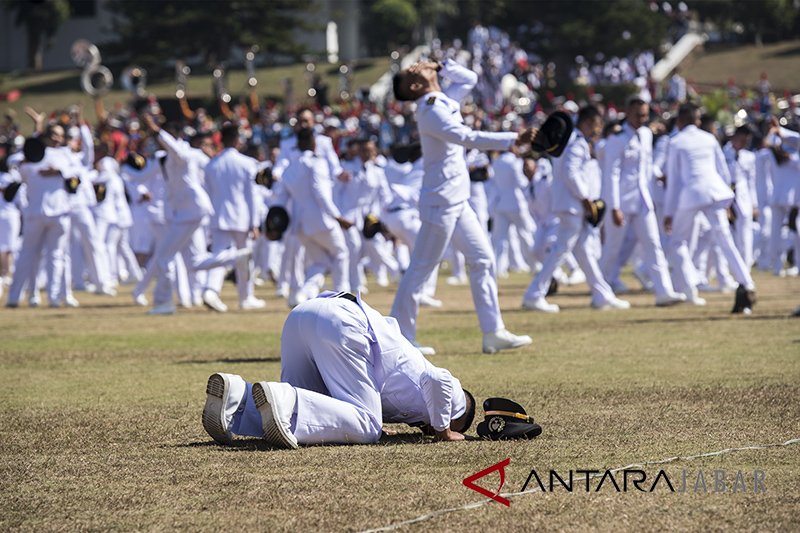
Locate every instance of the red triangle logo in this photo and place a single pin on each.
(500, 467)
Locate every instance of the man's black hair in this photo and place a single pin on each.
(589, 112)
(305, 138)
(401, 93)
(229, 134)
(687, 112)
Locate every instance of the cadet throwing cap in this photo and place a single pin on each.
(276, 223)
(554, 134)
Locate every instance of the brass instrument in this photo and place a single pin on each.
(96, 79)
(222, 93)
(182, 72)
(249, 61)
(134, 79)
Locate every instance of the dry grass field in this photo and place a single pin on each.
(101, 420)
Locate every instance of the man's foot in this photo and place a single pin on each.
(12, 305)
(456, 280)
(540, 304)
(275, 402)
(694, 299)
(212, 301)
(70, 301)
(140, 299)
(616, 303)
(744, 301)
(576, 278)
(424, 350)
(224, 393)
(428, 301)
(167, 308)
(503, 340)
(251, 303)
(796, 312)
(106, 290)
(670, 299)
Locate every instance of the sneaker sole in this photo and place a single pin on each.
(514, 346)
(214, 410)
(215, 307)
(274, 433)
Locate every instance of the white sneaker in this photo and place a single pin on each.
(694, 299)
(576, 278)
(428, 301)
(282, 291)
(456, 280)
(275, 402)
(706, 287)
(540, 304)
(503, 340)
(616, 303)
(424, 350)
(212, 301)
(258, 282)
(224, 393)
(670, 299)
(140, 299)
(106, 290)
(167, 308)
(252, 303)
(70, 301)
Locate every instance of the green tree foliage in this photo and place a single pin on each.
(41, 19)
(155, 32)
(391, 23)
(761, 21)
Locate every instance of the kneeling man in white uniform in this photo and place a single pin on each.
(345, 370)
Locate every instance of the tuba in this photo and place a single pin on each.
(96, 79)
(222, 93)
(134, 79)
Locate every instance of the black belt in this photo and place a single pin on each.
(347, 296)
(396, 209)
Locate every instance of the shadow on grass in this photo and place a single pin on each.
(793, 51)
(717, 318)
(231, 360)
(254, 444)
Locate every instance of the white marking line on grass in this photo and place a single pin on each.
(475, 505)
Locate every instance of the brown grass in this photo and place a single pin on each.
(101, 419)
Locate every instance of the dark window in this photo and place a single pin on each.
(83, 8)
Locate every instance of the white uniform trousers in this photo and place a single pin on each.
(645, 230)
(779, 243)
(326, 251)
(88, 252)
(221, 240)
(502, 243)
(355, 271)
(180, 237)
(686, 277)
(574, 235)
(327, 355)
(121, 256)
(761, 243)
(743, 236)
(441, 225)
(405, 224)
(42, 237)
